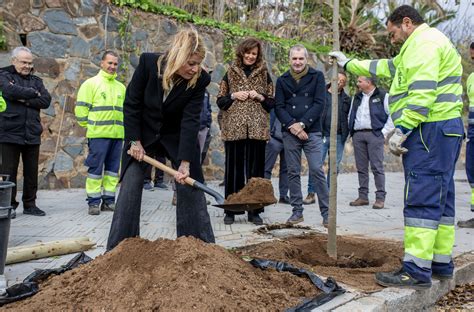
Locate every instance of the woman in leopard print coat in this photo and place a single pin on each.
(245, 98)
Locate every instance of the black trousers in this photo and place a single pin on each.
(244, 159)
(9, 161)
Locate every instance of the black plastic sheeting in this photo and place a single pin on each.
(29, 286)
(329, 288)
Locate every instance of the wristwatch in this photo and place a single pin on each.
(232, 97)
(302, 125)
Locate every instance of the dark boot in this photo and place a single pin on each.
(255, 218)
(400, 278)
(34, 211)
(229, 219)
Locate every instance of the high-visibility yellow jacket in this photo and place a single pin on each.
(470, 96)
(426, 75)
(3, 104)
(99, 106)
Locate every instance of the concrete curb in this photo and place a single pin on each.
(399, 299)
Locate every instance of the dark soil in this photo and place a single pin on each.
(168, 275)
(358, 258)
(256, 191)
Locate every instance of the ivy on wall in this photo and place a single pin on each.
(3, 39)
(233, 33)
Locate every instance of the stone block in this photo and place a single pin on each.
(112, 23)
(218, 73)
(170, 27)
(63, 163)
(217, 158)
(5, 59)
(53, 3)
(31, 23)
(73, 150)
(213, 89)
(47, 66)
(90, 31)
(73, 140)
(80, 48)
(97, 45)
(78, 181)
(17, 7)
(37, 4)
(88, 7)
(46, 44)
(59, 22)
(89, 70)
(84, 21)
(73, 70)
(139, 35)
(209, 61)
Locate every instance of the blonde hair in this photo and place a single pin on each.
(185, 44)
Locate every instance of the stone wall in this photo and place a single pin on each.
(67, 38)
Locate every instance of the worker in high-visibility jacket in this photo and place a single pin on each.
(470, 143)
(3, 104)
(99, 109)
(425, 106)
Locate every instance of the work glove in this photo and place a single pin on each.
(340, 57)
(395, 138)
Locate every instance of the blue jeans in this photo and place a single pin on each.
(312, 149)
(324, 152)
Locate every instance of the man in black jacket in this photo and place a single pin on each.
(300, 96)
(20, 125)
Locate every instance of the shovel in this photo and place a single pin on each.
(198, 185)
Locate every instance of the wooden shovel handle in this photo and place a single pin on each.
(190, 181)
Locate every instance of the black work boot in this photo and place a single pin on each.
(107, 206)
(255, 218)
(400, 278)
(229, 219)
(466, 224)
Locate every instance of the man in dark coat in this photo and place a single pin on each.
(20, 126)
(300, 96)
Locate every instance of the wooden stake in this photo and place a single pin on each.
(49, 249)
(332, 235)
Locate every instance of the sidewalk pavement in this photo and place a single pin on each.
(67, 217)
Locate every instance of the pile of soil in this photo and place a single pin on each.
(358, 258)
(460, 298)
(169, 275)
(256, 191)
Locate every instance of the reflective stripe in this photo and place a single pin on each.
(397, 114)
(394, 98)
(109, 193)
(422, 223)
(423, 85)
(106, 108)
(391, 67)
(105, 122)
(94, 176)
(449, 80)
(447, 220)
(422, 263)
(442, 258)
(373, 68)
(81, 118)
(471, 121)
(111, 174)
(88, 105)
(94, 195)
(448, 97)
(419, 109)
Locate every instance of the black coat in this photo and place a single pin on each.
(300, 102)
(172, 124)
(344, 102)
(20, 123)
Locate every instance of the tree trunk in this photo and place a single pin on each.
(332, 235)
(219, 10)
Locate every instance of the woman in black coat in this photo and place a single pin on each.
(162, 117)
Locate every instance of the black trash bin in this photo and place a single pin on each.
(5, 218)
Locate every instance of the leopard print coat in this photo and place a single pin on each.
(246, 119)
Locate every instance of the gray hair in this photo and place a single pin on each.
(17, 51)
(371, 79)
(298, 47)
